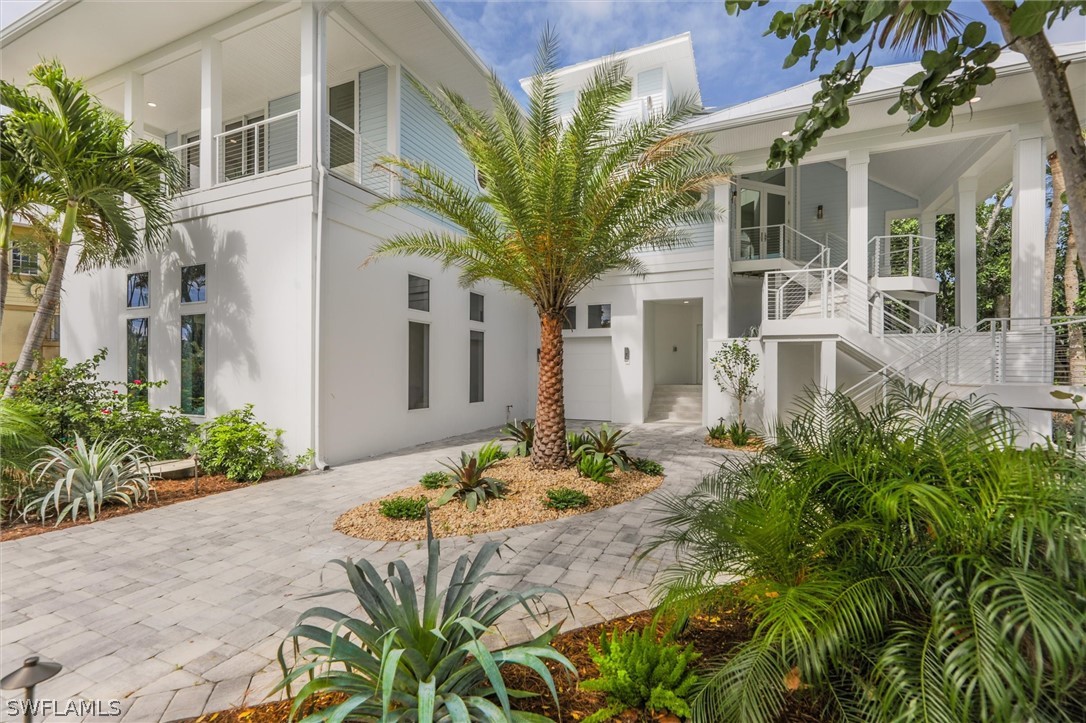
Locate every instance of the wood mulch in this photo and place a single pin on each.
(523, 503)
(167, 492)
(755, 445)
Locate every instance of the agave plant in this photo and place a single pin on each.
(469, 483)
(902, 563)
(521, 434)
(412, 662)
(607, 443)
(83, 476)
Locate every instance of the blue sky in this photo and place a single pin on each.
(735, 63)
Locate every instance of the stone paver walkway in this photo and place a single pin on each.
(180, 610)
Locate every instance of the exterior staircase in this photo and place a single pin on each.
(680, 403)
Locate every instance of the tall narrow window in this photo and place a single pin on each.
(418, 365)
(571, 318)
(475, 381)
(599, 316)
(193, 284)
(137, 354)
(475, 311)
(418, 293)
(137, 290)
(341, 128)
(192, 364)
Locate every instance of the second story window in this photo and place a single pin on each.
(475, 311)
(138, 290)
(570, 322)
(23, 262)
(599, 316)
(418, 293)
(193, 284)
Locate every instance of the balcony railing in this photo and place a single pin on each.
(902, 255)
(258, 148)
(352, 157)
(188, 155)
(757, 243)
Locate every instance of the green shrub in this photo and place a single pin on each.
(521, 434)
(469, 483)
(404, 662)
(638, 672)
(575, 443)
(434, 480)
(404, 508)
(163, 433)
(718, 431)
(606, 443)
(85, 477)
(564, 498)
(648, 466)
(740, 435)
(490, 453)
(238, 446)
(596, 467)
(21, 437)
(906, 562)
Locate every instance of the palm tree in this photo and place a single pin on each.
(84, 169)
(19, 196)
(566, 200)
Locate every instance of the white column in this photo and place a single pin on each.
(134, 105)
(1028, 222)
(858, 228)
(210, 109)
(311, 124)
(722, 262)
(928, 229)
(827, 365)
(965, 252)
(770, 411)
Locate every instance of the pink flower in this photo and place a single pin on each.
(106, 411)
(115, 391)
(137, 382)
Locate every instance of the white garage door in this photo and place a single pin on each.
(588, 378)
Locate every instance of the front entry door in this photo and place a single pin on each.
(762, 215)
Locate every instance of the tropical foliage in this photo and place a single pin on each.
(564, 498)
(85, 477)
(640, 672)
(238, 446)
(412, 659)
(434, 480)
(566, 199)
(902, 562)
(597, 468)
(734, 367)
(404, 508)
(469, 483)
(648, 466)
(606, 443)
(521, 434)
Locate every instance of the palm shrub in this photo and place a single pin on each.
(902, 562)
(739, 434)
(468, 482)
(575, 442)
(521, 434)
(21, 436)
(566, 201)
(637, 671)
(413, 660)
(87, 477)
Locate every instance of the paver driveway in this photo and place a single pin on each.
(181, 609)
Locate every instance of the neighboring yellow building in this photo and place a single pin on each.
(19, 306)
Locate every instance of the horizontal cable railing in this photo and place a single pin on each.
(352, 157)
(902, 255)
(188, 155)
(258, 148)
(838, 249)
(779, 241)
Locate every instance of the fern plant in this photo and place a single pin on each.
(521, 434)
(597, 468)
(468, 482)
(637, 671)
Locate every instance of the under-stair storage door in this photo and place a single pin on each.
(587, 367)
(283, 133)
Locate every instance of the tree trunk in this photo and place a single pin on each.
(1051, 74)
(1076, 345)
(1052, 233)
(549, 446)
(50, 299)
(5, 272)
(985, 238)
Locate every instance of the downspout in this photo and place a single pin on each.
(314, 396)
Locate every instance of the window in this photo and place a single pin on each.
(418, 293)
(242, 149)
(418, 365)
(341, 126)
(192, 364)
(23, 262)
(193, 284)
(571, 318)
(475, 313)
(475, 381)
(138, 290)
(599, 316)
(54, 329)
(137, 353)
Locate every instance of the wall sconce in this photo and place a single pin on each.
(537, 352)
(626, 354)
(819, 213)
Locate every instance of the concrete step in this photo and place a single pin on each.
(675, 403)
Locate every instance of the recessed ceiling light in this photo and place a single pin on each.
(786, 134)
(974, 100)
(687, 301)
(151, 104)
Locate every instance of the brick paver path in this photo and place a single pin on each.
(180, 610)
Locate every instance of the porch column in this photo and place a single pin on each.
(770, 413)
(856, 164)
(928, 229)
(827, 365)
(134, 105)
(210, 108)
(311, 125)
(965, 252)
(1028, 221)
(722, 262)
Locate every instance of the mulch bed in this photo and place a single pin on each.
(522, 505)
(713, 634)
(755, 445)
(169, 491)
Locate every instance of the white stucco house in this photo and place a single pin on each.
(279, 109)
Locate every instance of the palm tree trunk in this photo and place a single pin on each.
(1051, 74)
(1076, 345)
(549, 446)
(1052, 233)
(5, 272)
(47, 306)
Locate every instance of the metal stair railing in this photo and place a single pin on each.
(902, 255)
(779, 241)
